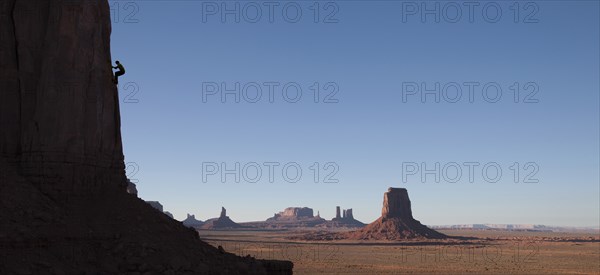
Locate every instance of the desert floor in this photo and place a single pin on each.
(489, 252)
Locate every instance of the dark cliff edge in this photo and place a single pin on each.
(64, 208)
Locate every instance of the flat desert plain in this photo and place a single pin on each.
(479, 252)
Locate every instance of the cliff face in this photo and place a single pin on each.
(64, 208)
(58, 107)
(396, 204)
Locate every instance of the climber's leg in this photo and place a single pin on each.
(117, 74)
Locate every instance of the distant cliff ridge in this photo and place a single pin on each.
(519, 227)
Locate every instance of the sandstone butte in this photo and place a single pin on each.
(64, 208)
(222, 222)
(396, 221)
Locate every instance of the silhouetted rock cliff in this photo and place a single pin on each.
(64, 208)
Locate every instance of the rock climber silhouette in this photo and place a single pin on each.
(118, 73)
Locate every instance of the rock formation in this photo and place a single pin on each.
(396, 204)
(345, 221)
(347, 214)
(64, 208)
(291, 217)
(396, 221)
(294, 213)
(156, 205)
(131, 188)
(191, 221)
(222, 222)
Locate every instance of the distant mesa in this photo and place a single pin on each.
(191, 221)
(293, 213)
(222, 222)
(396, 221)
(303, 217)
(291, 217)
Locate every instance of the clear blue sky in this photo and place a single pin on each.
(371, 131)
